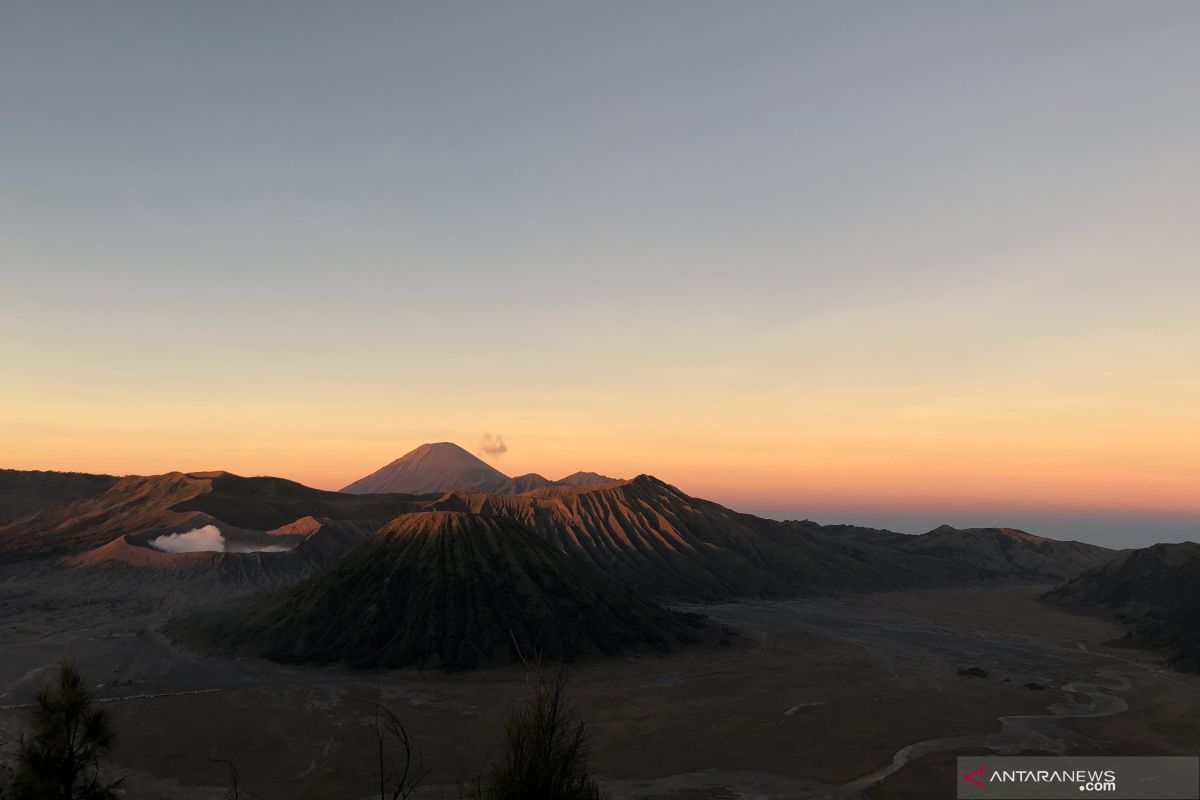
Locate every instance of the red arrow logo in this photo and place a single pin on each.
(970, 777)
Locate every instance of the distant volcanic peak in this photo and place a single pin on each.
(445, 467)
(435, 467)
(443, 450)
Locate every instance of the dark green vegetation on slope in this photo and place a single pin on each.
(450, 590)
(67, 737)
(23, 492)
(1155, 590)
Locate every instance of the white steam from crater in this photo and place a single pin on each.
(207, 539)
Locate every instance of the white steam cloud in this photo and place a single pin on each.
(492, 445)
(198, 540)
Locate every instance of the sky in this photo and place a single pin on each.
(888, 263)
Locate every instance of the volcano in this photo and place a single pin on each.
(435, 467)
(449, 590)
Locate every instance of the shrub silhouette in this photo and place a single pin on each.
(58, 757)
(546, 749)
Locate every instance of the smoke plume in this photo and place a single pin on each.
(207, 539)
(492, 445)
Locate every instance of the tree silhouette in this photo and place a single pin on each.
(546, 749)
(58, 756)
(400, 769)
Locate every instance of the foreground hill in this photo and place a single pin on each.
(138, 503)
(1156, 590)
(23, 492)
(451, 590)
(445, 467)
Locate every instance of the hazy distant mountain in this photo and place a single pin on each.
(1156, 590)
(436, 467)
(452, 590)
(446, 467)
(23, 492)
(1007, 553)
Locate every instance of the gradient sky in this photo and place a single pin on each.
(897, 263)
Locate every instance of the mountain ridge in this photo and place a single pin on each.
(25, 492)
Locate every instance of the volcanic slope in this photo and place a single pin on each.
(23, 492)
(1156, 590)
(138, 503)
(450, 590)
